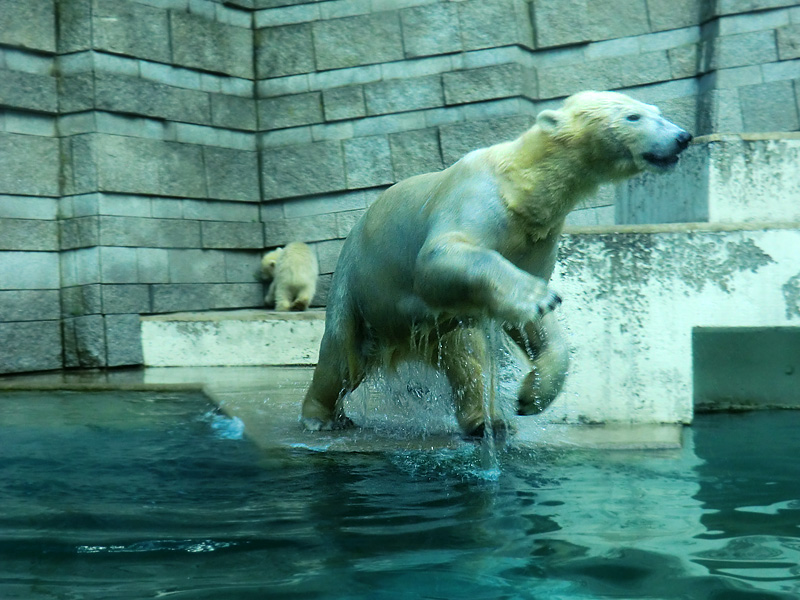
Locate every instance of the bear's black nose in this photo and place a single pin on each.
(684, 137)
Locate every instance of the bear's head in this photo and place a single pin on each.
(614, 129)
(268, 263)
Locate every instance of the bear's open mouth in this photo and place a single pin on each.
(660, 161)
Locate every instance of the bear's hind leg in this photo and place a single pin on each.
(283, 298)
(464, 359)
(340, 370)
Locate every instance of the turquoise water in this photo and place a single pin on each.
(140, 495)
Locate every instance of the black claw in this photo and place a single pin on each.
(476, 433)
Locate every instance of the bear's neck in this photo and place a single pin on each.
(541, 180)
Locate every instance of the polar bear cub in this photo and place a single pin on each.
(293, 273)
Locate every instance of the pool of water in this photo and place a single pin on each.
(147, 495)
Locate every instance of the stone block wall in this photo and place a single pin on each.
(151, 149)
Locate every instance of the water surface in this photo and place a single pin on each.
(144, 495)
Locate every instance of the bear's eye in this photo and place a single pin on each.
(633, 117)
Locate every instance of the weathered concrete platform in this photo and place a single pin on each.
(267, 401)
(634, 295)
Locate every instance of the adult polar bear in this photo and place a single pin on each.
(441, 253)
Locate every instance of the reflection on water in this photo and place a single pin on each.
(143, 496)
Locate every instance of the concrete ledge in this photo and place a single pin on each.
(238, 337)
(722, 178)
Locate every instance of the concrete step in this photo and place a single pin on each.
(248, 337)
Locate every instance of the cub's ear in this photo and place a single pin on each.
(549, 121)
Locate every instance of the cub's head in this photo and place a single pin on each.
(268, 263)
(612, 128)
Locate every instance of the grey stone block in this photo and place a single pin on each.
(398, 95)
(494, 23)
(683, 60)
(728, 7)
(308, 229)
(344, 103)
(180, 297)
(133, 95)
(328, 254)
(28, 24)
(75, 93)
(346, 220)
(769, 107)
(28, 234)
(243, 267)
(233, 112)
(231, 174)
(281, 51)
(133, 298)
(789, 42)
(89, 342)
(23, 207)
(123, 340)
(131, 232)
(319, 205)
(30, 346)
(323, 290)
(203, 44)
(21, 270)
(368, 162)
(196, 266)
(290, 111)
(80, 300)
(74, 25)
(118, 265)
(152, 265)
(719, 110)
(126, 164)
(752, 48)
(354, 41)
(29, 305)
(608, 74)
(80, 232)
(28, 91)
(80, 267)
(224, 234)
(302, 169)
(206, 210)
(430, 30)
(459, 138)
(236, 295)
(488, 83)
(415, 152)
(675, 14)
(560, 23)
(130, 28)
(29, 165)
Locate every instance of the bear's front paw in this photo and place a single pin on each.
(548, 304)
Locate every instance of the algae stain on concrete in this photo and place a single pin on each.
(791, 295)
(622, 261)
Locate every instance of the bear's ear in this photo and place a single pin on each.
(549, 120)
